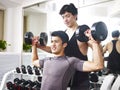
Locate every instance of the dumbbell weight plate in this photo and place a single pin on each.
(28, 37)
(93, 77)
(80, 33)
(29, 68)
(23, 68)
(43, 39)
(18, 70)
(99, 31)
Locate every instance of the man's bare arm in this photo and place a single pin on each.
(44, 48)
(97, 63)
(35, 58)
(35, 41)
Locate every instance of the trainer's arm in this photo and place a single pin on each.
(97, 63)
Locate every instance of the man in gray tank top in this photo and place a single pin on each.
(58, 69)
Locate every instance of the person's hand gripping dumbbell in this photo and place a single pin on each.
(41, 40)
(98, 31)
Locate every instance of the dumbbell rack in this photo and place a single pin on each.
(13, 74)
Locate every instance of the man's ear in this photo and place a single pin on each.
(65, 45)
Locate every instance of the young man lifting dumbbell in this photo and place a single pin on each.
(58, 70)
(76, 47)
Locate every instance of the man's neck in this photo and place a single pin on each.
(70, 30)
(73, 27)
(58, 55)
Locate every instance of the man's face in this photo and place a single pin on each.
(69, 19)
(56, 45)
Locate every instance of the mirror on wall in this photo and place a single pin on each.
(1, 24)
(34, 21)
(44, 17)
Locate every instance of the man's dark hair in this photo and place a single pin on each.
(115, 33)
(69, 8)
(64, 37)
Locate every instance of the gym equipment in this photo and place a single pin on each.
(93, 77)
(10, 85)
(28, 37)
(21, 81)
(39, 79)
(17, 83)
(99, 32)
(23, 68)
(43, 38)
(37, 85)
(18, 70)
(80, 33)
(30, 85)
(23, 84)
(29, 68)
(37, 72)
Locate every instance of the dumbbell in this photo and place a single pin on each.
(29, 68)
(17, 83)
(23, 69)
(37, 72)
(39, 78)
(37, 85)
(18, 70)
(43, 38)
(10, 86)
(30, 85)
(98, 30)
(93, 77)
(23, 84)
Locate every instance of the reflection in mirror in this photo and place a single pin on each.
(1, 24)
(45, 16)
(34, 21)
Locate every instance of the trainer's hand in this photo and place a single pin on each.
(91, 40)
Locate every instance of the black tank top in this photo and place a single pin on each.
(72, 49)
(114, 59)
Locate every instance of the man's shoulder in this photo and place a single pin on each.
(72, 58)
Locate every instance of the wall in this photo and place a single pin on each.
(36, 23)
(1, 24)
(14, 28)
